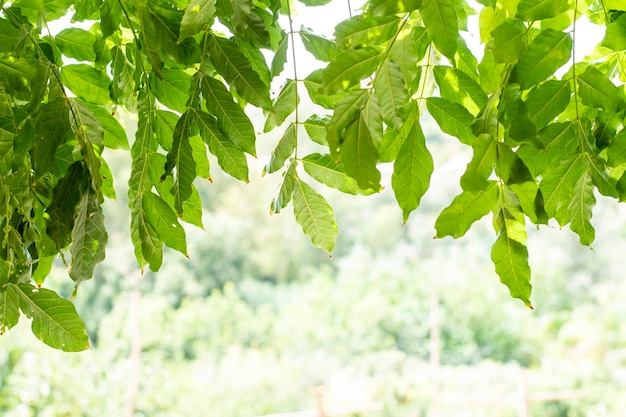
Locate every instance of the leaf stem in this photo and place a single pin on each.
(295, 75)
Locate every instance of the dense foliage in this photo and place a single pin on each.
(544, 124)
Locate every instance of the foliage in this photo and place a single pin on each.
(545, 125)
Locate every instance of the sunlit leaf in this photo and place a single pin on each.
(466, 208)
(315, 215)
(440, 19)
(349, 68)
(285, 148)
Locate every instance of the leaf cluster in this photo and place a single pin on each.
(545, 125)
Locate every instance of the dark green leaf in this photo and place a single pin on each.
(232, 64)
(180, 157)
(114, 134)
(65, 197)
(52, 126)
(89, 237)
(230, 158)
(346, 111)
(164, 222)
(231, 119)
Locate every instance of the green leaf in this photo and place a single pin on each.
(313, 83)
(314, 215)
(373, 119)
(315, 127)
(172, 88)
(285, 104)
(66, 196)
(404, 52)
(9, 36)
(55, 320)
(365, 31)
(314, 2)
(390, 90)
(321, 48)
(347, 110)
(232, 64)
(164, 222)
(615, 36)
(231, 119)
(89, 237)
(114, 134)
(558, 185)
(616, 152)
(324, 169)
(198, 13)
(181, 158)
(9, 308)
(280, 56)
(110, 17)
(548, 52)
(559, 140)
(286, 189)
(412, 171)
(440, 19)
(256, 58)
(547, 101)
(203, 166)
(87, 83)
(285, 148)
(387, 7)
(229, 157)
(148, 246)
(452, 118)
(481, 166)
(596, 90)
(248, 24)
(581, 209)
(531, 10)
(53, 124)
(458, 87)
(77, 43)
(466, 208)
(514, 116)
(359, 156)
(349, 68)
(509, 42)
(511, 261)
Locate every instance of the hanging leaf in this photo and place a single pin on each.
(615, 36)
(466, 208)
(9, 308)
(77, 43)
(412, 171)
(172, 88)
(231, 119)
(315, 127)
(321, 48)
(231, 64)
(285, 104)
(481, 166)
(198, 13)
(509, 42)
(547, 101)
(558, 184)
(181, 159)
(286, 189)
(328, 172)
(314, 215)
(548, 52)
(347, 111)
(531, 10)
(280, 56)
(350, 68)
(365, 31)
(581, 207)
(390, 90)
(229, 157)
(53, 124)
(458, 87)
(359, 156)
(596, 90)
(87, 83)
(89, 238)
(164, 222)
(285, 148)
(55, 321)
(441, 22)
(452, 118)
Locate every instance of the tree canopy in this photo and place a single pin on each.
(545, 125)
